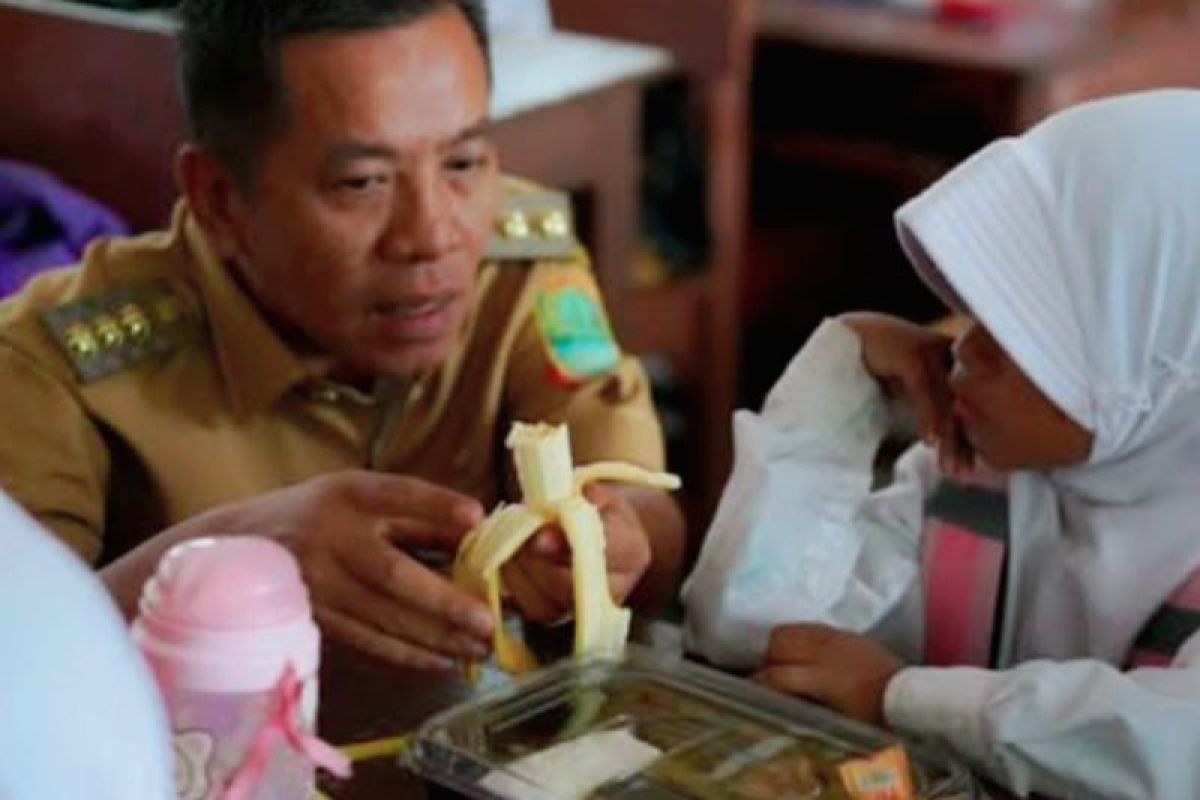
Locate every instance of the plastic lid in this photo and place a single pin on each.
(227, 615)
(661, 727)
(234, 582)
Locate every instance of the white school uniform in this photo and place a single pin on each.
(1078, 247)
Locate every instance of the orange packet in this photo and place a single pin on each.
(882, 776)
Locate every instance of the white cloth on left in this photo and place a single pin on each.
(1078, 247)
(523, 18)
(80, 716)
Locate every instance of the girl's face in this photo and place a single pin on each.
(1006, 419)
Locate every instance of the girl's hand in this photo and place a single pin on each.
(844, 671)
(913, 363)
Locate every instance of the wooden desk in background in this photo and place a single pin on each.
(857, 106)
(1032, 50)
(1051, 56)
(90, 94)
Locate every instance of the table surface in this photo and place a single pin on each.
(363, 700)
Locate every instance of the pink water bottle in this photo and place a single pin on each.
(226, 627)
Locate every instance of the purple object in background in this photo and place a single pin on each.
(44, 223)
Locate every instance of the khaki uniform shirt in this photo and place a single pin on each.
(143, 386)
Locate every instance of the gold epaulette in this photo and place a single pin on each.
(109, 331)
(532, 223)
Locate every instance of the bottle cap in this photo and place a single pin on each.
(227, 615)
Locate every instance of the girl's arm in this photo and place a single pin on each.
(1064, 729)
(799, 535)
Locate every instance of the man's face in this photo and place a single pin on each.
(369, 212)
(1007, 420)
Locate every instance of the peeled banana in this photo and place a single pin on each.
(552, 493)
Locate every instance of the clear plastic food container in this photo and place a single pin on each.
(655, 727)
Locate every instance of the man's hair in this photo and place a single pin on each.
(229, 61)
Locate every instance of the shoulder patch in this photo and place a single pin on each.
(107, 332)
(532, 223)
(575, 331)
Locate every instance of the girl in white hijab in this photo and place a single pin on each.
(1075, 250)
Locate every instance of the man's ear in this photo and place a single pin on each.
(214, 195)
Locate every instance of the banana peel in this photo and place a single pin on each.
(551, 492)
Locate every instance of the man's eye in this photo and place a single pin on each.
(360, 183)
(464, 164)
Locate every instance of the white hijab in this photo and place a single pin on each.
(1078, 246)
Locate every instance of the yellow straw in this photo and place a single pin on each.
(379, 748)
(365, 751)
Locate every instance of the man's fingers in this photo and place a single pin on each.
(555, 580)
(419, 534)
(346, 629)
(399, 621)
(600, 495)
(397, 575)
(334, 588)
(538, 588)
(405, 497)
(551, 544)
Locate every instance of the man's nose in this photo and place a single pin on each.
(424, 224)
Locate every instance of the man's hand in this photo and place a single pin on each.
(844, 671)
(913, 363)
(353, 533)
(539, 580)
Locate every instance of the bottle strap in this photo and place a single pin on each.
(282, 724)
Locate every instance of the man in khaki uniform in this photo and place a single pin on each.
(331, 340)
